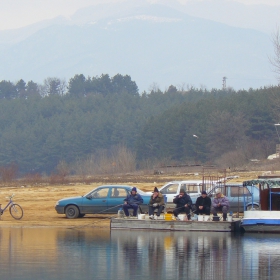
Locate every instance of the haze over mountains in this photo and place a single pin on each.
(196, 44)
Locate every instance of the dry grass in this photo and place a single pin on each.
(38, 199)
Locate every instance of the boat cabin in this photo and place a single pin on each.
(269, 190)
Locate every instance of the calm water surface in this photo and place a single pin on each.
(38, 253)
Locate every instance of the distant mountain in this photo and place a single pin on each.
(261, 17)
(152, 43)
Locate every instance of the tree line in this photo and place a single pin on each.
(103, 123)
(79, 85)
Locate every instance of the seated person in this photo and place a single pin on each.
(156, 202)
(220, 204)
(183, 204)
(203, 204)
(133, 200)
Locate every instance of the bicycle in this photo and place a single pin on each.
(14, 209)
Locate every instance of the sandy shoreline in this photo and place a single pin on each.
(38, 205)
(38, 202)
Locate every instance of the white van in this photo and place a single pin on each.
(192, 188)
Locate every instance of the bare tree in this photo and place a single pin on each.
(9, 172)
(118, 160)
(233, 159)
(54, 86)
(226, 132)
(275, 60)
(154, 87)
(63, 168)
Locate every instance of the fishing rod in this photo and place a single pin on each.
(75, 227)
(103, 218)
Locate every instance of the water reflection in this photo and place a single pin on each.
(91, 254)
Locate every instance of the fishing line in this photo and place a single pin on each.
(100, 219)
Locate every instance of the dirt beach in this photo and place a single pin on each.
(38, 202)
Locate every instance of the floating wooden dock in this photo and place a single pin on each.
(134, 224)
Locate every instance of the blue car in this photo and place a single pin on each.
(104, 199)
(240, 198)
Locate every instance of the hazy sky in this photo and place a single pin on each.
(18, 13)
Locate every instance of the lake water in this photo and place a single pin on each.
(44, 253)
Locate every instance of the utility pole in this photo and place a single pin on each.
(196, 137)
(224, 83)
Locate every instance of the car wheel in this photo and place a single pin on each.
(72, 212)
(250, 207)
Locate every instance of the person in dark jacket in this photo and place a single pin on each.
(133, 200)
(156, 202)
(203, 204)
(183, 204)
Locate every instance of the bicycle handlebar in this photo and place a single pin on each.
(10, 197)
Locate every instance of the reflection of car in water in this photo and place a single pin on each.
(239, 195)
(103, 199)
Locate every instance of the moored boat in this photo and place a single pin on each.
(267, 219)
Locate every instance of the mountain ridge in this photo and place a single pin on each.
(168, 47)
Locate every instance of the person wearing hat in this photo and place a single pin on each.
(183, 204)
(132, 201)
(203, 204)
(156, 202)
(220, 204)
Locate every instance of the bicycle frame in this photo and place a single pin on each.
(15, 209)
(9, 203)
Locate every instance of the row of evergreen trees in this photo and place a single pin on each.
(79, 85)
(92, 116)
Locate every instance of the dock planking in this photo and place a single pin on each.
(135, 224)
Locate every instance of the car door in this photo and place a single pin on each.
(254, 197)
(96, 202)
(246, 197)
(237, 196)
(232, 193)
(116, 196)
(170, 190)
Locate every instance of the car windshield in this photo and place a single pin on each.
(170, 188)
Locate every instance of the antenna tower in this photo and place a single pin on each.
(224, 83)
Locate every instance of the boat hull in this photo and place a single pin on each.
(261, 221)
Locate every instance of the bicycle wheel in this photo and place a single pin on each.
(16, 211)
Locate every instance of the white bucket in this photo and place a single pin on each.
(229, 218)
(206, 218)
(194, 217)
(200, 218)
(141, 216)
(120, 214)
(182, 217)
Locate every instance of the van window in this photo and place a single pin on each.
(238, 191)
(192, 189)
